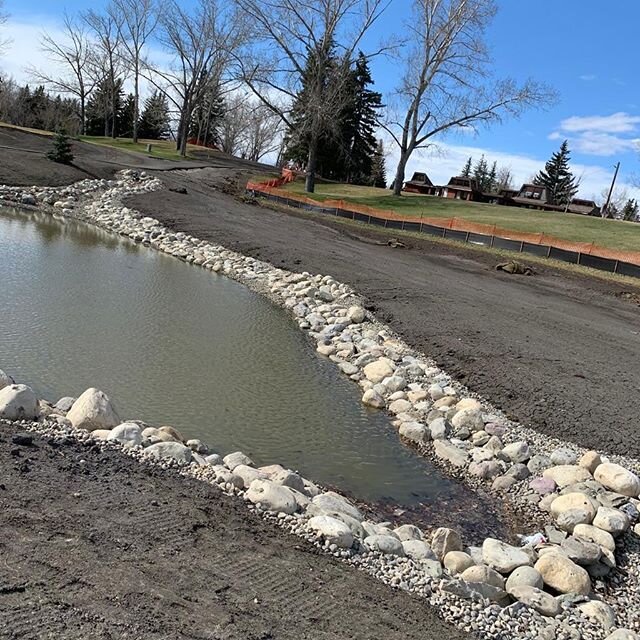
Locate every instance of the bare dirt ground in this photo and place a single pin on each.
(556, 351)
(96, 545)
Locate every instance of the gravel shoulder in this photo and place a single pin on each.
(94, 544)
(555, 351)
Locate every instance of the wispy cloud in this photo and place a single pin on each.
(587, 77)
(600, 135)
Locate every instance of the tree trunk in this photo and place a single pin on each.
(83, 121)
(312, 162)
(399, 179)
(136, 102)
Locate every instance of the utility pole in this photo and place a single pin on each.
(613, 182)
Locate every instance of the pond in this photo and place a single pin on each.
(172, 344)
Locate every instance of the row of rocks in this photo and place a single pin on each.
(430, 411)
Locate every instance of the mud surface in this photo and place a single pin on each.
(96, 545)
(554, 351)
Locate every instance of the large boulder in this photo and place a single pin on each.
(385, 544)
(378, 370)
(445, 540)
(572, 509)
(480, 573)
(414, 432)
(174, 450)
(524, 577)
(418, 550)
(232, 460)
(457, 562)
(613, 521)
(618, 479)
(566, 474)
(93, 410)
(18, 402)
(331, 501)
(593, 534)
(503, 557)
(248, 474)
(562, 574)
(408, 532)
(272, 497)
(470, 419)
(517, 451)
(582, 552)
(333, 531)
(126, 433)
(599, 612)
(537, 599)
(290, 479)
(449, 452)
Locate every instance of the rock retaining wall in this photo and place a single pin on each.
(579, 577)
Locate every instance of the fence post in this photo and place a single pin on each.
(549, 251)
(579, 257)
(615, 268)
(521, 246)
(466, 238)
(492, 239)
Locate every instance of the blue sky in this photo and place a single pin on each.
(583, 48)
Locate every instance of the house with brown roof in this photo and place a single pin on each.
(420, 183)
(532, 196)
(461, 188)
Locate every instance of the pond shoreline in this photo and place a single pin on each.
(391, 375)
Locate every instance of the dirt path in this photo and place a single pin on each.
(560, 353)
(95, 545)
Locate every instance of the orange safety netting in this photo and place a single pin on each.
(271, 187)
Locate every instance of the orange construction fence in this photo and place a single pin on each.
(272, 187)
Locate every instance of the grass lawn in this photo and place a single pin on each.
(165, 149)
(614, 234)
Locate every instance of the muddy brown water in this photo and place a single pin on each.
(174, 344)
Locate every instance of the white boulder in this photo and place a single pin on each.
(93, 410)
(126, 433)
(503, 557)
(174, 450)
(272, 497)
(18, 402)
(618, 479)
(333, 530)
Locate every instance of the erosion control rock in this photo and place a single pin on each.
(503, 557)
(272, 497)
(5, 379)
(563, 575)
(18, 402)
(334, 531)
(93, 410)
(174, 450)
(618, 479)
(126, 433)
(537, 599)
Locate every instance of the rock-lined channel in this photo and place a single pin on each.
(176, 345)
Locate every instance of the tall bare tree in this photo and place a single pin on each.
(73, 54)
(263, 132)
(447, 82)
(201, 42)
(136, 20)
(107, 61)
(297, 42)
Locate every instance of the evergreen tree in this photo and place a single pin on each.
(481, 173)
(359, 143)
(492, 178)
(101, 119)
(207, 117)
(557, 177)
(61, 149)
(466, 170)
(154, 120)
(378, 168)
(630, 210)
(126, 117)
(347, 144)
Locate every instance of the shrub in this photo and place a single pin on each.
(61, 150)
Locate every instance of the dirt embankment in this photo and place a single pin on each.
(556, 351)
(96, 545)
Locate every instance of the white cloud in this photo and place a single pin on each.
(587, 77)
(619, 122)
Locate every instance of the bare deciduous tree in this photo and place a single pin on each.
(74, 55)
(136, 20)
(263, 133)
(107, 60)
(202, 42)
(296, 43)
(504, 178)
(447, 82)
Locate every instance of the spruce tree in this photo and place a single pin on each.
(492, 178)
(61, 149)
(466, 170)
(126, 116)
(101, 119)
(154, 120)
(378, 168)
(481, 173)
(557, 177)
